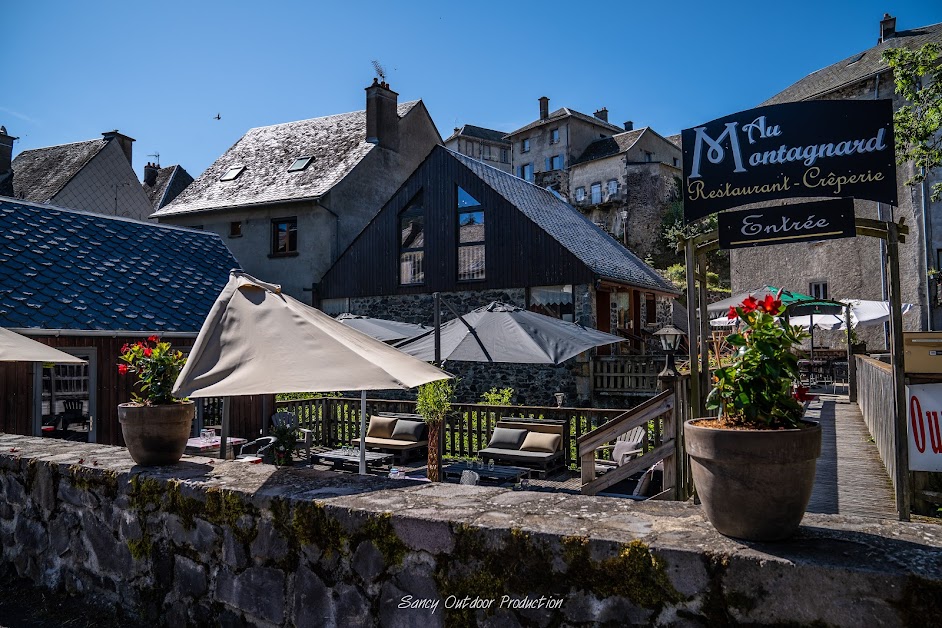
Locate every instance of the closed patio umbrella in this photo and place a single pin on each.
(17, 348)
(382, 329)
(257, 340)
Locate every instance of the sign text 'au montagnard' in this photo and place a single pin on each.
(819, 220)
(826, 148)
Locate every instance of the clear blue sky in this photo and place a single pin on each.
(160, 71)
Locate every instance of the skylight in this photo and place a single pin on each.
(232, 173)
(300, 164)
(856, 59)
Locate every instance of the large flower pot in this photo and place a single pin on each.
(754, 484)
(156, 435)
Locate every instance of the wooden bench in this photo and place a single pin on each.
(401, 448)
(543, 462)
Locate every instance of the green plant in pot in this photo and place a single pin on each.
(155, 425)
(285, 430)
(754, 464)
(434, 404)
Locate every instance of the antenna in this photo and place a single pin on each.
(156, 157)
(379, 69)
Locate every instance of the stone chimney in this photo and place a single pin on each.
(124, 142)
(887, 28)
(602, 114)
(629, 126)
(544, 107)
(382, 116)
(6, 150)
(150, 174)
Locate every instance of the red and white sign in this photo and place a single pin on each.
(925, 436)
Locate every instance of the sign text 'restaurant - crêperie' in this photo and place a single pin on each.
(825, 148)
(818, 220)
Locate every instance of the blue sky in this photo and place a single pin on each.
(161, 71)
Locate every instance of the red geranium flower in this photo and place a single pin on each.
(125, 348)
(123, 369)
(732, 313)
(148, 352)
(750, 304)
(154, 338)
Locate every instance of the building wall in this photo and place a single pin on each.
(474, 147)
(93, 189)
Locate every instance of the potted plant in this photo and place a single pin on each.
(285, 430)
(434, 404)
(754, 465)
(156, 425)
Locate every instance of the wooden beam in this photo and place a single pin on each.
(903, 496)
(704, 383)
(613, 429)
(628, 469)
(694, 400)
(881, 225)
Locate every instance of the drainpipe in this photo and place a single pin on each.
(927, 243)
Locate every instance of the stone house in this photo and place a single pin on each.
(477, 234)
(626, 183)
(288, 198)
(486, 145)
(162, 185)
(544, 150)
(95, 175)
(852, 268)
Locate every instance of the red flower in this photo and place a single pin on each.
(125, 348)
(123, 369)
(154, 338)
(147, 352)
(750, 304)
(732, 313)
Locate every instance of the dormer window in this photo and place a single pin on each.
(300, 164)
(232, 173)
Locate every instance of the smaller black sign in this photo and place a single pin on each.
(822, 220)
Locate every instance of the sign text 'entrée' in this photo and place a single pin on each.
(821, 220)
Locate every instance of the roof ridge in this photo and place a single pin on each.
(163, 194)
(332, 115)
(99, 139)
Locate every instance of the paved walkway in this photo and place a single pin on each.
(850, 478)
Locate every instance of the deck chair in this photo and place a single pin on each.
(626, 447)
(73, 413)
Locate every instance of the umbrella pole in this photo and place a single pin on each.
(224, 432)
(362, 432)
(438, 329)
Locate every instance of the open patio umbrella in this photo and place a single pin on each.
(499, 332)
(382, 329)
(257, 340)
(17, 348)
(863, 313)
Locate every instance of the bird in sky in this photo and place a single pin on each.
(217, 117)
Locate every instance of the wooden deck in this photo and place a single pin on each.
(850, 478)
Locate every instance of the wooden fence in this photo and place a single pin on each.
(878, 406)
(626, 375)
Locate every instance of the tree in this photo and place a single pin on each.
(434, 404)
(918, 77)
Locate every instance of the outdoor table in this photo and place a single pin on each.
(210, 447)
(337, 458)
(500, 473)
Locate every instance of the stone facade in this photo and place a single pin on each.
(233, 544)
(482, 144)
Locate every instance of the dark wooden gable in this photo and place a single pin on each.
(518, 253)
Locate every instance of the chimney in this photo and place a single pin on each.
(6, 150)
(150, 174)
(382, 116)
(602, 114)
(887, 28)
(123, 140)
(544, 107)
(629, 126)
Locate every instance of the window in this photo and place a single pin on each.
(596, 193)
(504, 158)
(470, 238)
(555, 301)
(676, 163)
(284, 236)
(525, 146)
(232, 173)
(554, 136)
(556, 162)
(486, 152)
(469, 148)
(526, 172)
(235, 229)
(412, 243)
(818, 289)
(300, 164)
(612, 187)
(648, 156)
(580, 194)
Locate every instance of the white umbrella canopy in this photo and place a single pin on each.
(505, 333)
(863, 313)
(382, 329)
(17, 348)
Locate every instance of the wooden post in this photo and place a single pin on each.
(903, 496)
(692, 333)
(667, 380)
(851, 361)
(705, 383)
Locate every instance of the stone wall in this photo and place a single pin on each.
(235, 544)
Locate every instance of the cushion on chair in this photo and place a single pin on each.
(507, 438)
(536, 441)
(381, 427)
(412, 431)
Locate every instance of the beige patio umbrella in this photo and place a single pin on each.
(257, 340)
(17, 348)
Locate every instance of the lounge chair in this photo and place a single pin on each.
(626, 447)
(533, 444)
(401, 434)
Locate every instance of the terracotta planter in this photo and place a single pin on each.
(754, 484)
(156, 435)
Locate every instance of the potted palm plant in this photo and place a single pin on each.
(754, 464)
(155, 425)
(433, 404)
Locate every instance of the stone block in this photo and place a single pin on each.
(258, 591)
(109, 554)
(31, 536)
(581, 608)
(352, 606)
(434, 537)
(189, 577)
(313, 606)
(400, 609)
(43, 489)
(269, 544)
(368, 561)
(233, 551)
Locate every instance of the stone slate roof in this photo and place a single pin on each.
(337, 143)
(587, 241)
(41, 173)
(856, 67)
(563, 113)
(68, 269)
(171, 180)
(608, 146)
(479, 132)
(675, 140)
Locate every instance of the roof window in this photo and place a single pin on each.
(300, 164)
(856, 59)
(232, 173)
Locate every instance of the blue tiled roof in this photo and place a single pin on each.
(67, 269)
(604, 255)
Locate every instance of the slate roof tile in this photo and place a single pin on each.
(171, 180)
(91, 272)
(34, 179)
(481, 133)
(563, 113)
(608, 146)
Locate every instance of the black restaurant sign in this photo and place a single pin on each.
(819, 148)
(819, 220)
